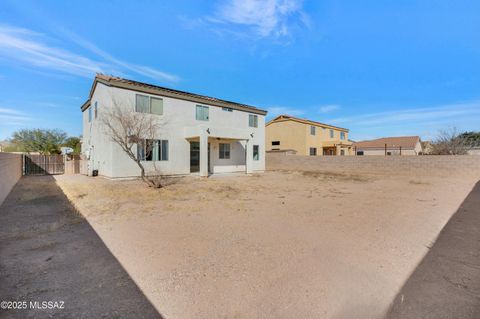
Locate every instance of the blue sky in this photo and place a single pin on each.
(379, 68)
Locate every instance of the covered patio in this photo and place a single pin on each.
(214, 151)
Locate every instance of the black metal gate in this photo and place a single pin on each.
(43, 164)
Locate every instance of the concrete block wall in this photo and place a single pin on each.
(11, 166)
(420, 165)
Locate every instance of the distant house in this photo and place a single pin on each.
(400, 145)
(288, 133)
(201, 135)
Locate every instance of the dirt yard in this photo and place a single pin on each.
(49, 253)
(274, 245)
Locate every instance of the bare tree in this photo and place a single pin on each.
(449, 142)
(130, 130)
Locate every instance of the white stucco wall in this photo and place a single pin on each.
(178, 124)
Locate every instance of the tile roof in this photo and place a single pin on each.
(145, 87)
(285, 117)
(406, 142)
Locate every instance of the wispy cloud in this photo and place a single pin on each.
(10, 111)
(262, 18)
(139, 69)
(278, 110)
(329, 108)
(9, 116)
(443, 112)
(33, 49)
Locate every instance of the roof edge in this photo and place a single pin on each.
(172, 93)
(285, 117)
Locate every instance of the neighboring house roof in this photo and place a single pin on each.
(283, 117)
(163, 91)
(406, 142)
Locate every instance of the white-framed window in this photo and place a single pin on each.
(342, 135)
(148, 104)
(252, 120)
(256, 152)
(312, 130)
(152, 150)
(331, 133)
(96, 109)
(201, 113)
(89, 114)
(313, 151)
(227, 109)
(224, 151)
(275, 143)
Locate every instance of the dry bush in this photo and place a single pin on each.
(449, 142)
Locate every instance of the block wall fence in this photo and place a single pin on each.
(11, 166)
(441, 165)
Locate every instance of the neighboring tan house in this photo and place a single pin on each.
(285, 133)
(401, 145)
(200, 134)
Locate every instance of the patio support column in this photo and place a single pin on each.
(203, 153)
(249, 155)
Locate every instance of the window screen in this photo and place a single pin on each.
(202, 113)
(224, 151)
(252, 120)
(156, 106)
(142, 104)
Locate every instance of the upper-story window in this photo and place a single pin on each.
(312, 130)
(90, 114)
(147, 104)
(342, 135)
(227, 109)
(252, 120)
(96, 110)
(201, 113)
(275, 142)
(331, 133)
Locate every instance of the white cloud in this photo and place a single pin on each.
(278, 110)
(140, 69)
(32, 48)
(13, 117)
(266, 18)
(10, 111)
(443, 112)
(329, 108)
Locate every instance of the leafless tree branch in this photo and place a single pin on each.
(129, 130)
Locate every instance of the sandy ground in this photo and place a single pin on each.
(274, 245)
(446, 284)
(49, 253)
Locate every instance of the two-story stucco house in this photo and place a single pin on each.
(306, 137)
(199, 134)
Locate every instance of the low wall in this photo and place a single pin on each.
(10, 172)
(421, 165)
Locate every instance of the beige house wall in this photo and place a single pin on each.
(393, 151)
(292, 135)
(297, 136)
(10, 172)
